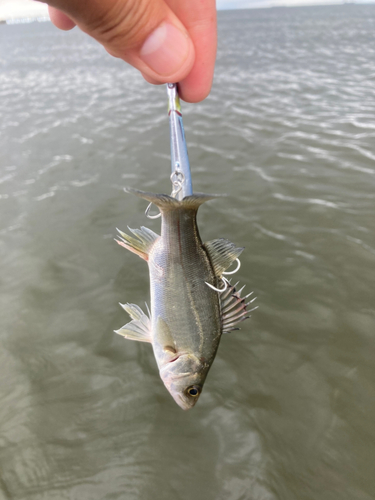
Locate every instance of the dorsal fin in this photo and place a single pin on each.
(222, 253)
(234, 308)
(140, 326)
(140, 245)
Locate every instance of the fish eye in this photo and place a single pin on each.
(194, 391)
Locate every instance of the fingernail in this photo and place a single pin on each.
(166, 49)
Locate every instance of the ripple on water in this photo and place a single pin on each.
(288, 132)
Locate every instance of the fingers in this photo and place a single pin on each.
(199, 18)
(151, 80)
(60, 20)
(167, 40)
(145, 33)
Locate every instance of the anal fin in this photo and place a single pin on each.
(139, 328)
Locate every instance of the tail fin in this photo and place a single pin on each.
(165, 202)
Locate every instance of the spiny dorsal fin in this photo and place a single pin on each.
(140, 326)
(140, 245)
(222, 253)
(234, 308)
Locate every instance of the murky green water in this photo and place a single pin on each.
(288, 410)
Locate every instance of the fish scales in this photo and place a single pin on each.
(182, 296)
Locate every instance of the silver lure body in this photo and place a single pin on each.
(187, 317)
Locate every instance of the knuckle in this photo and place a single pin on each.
(125, 25)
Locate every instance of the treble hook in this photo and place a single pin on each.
(177, 178)
(147, 212)
(237, 268)
(219, 290)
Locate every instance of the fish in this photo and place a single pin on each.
(189, 313)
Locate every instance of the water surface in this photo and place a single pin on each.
(288, 132)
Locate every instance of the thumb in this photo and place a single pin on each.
(144, 33)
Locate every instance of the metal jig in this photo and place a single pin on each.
(179, 155)
(181, 175)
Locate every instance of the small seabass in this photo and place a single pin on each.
(188, 316)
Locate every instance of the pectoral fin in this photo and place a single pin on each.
(222, 253)
(163, 335)
(140, 326)
(142, 244)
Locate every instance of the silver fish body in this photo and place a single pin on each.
(187, 316)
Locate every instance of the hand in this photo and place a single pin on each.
(166, 40)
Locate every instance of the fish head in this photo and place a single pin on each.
(184, 378)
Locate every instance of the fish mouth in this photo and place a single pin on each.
(174, 376)
(175, 358)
